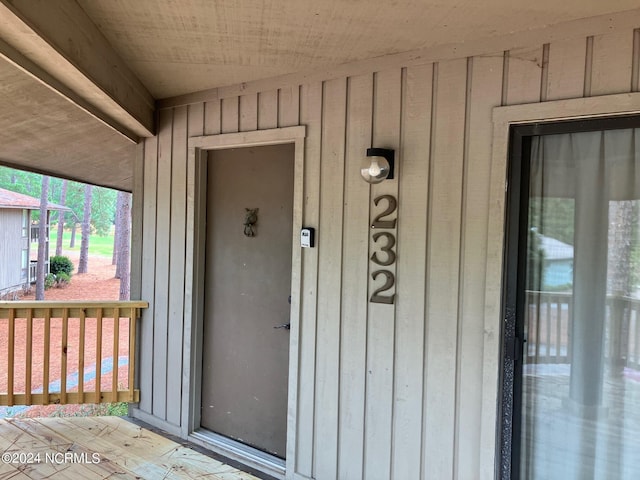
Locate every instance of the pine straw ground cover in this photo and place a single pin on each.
(98, 284)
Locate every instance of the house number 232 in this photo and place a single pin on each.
(384, 255)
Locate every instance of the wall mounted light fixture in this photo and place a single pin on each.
(380, 167)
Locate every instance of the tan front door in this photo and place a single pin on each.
(247, 286)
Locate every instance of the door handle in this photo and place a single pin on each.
(286, 326)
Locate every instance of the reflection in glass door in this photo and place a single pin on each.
(576, 393)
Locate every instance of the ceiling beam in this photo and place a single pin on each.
(59, 45)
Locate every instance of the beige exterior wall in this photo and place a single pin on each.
(402, 391)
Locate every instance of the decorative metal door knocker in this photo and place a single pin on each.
(250, 219)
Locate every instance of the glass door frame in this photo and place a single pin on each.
(514, 275)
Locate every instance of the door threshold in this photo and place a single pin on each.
(249, 456)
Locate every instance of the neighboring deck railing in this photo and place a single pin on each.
(68, 352)
(549, 338)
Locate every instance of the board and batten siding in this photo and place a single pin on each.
(11, 245)
(383, 391)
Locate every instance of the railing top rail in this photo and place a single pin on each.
(549, 294)
(568, 295)
(5, 305)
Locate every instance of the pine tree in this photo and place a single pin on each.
(42, 240)
(63, 199)
(123, 248)
(86, 230)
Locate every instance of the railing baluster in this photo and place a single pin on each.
(624, 340)
(28, 359)
(116, 351)
(81, 335)
(133, 318)
(548, 332)
(47, 355)
(98, 354)
(41, 323)
(10, 355)
(636, 340)
(559, 330)
(63, 363)
(569, 327)
(635, 343)
(537, 327)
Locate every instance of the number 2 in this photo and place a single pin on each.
(389, 282)
(392, 205)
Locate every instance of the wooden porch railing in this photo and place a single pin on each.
(68, 352)
(549, 329)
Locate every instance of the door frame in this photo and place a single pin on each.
(198, 148)
(497, 391)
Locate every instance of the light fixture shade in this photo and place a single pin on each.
(380, 166)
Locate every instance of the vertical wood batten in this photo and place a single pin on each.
(524, 75)
(612, 63)
(443, 267)
(230, 115)
(544, 80)
(288, 106)
(177, 244)
(311, 116)
(268, 109)
(381, 317)
(484, 94)
(566, 69)
(212, 117)
(195, 121)
(329, 278)
(162, 260)
(353, 336)
(412, 240)
(148, 273)
(248, 113)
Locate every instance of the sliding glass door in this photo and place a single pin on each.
(571, 368)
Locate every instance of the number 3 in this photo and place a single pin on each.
(391, 255)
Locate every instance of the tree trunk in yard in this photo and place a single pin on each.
(63, 200)
(42, 240)
(116, 233)
(86, 230)
(123, 267)
(72, 242)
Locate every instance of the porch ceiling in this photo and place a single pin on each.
(228, 42)
(80, 77)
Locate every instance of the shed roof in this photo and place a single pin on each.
(9, 199)
(555, 249)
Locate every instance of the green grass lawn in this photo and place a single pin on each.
(97, 245)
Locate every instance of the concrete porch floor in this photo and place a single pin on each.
(88, 448)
